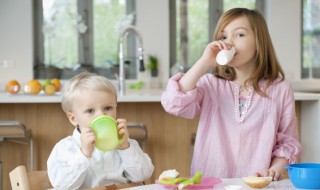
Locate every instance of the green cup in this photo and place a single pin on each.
(106, 133)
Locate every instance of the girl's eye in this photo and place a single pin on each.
(223, 38)
(108, 108)
(90, 111)
(240, 35)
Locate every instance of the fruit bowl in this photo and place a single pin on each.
(304, 175)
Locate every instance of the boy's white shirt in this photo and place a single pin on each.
(68, 168)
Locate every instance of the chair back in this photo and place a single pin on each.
(19, 178)
(36, 180)
(139, 132)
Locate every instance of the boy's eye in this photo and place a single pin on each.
(89, 111)
(108, 108)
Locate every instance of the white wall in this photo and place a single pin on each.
(153, 23)
(16, 37)
(284, 21)
(16, 40)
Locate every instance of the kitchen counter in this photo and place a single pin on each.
(152, 95)
(169, 136)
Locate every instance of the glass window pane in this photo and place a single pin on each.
(192, 30)
(107, 16)
(192, 27)
(60, 34)
(311, 39)
(230, 4)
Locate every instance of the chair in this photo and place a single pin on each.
(139, 132)
(39, 180)
(35, 180)
(15, 131)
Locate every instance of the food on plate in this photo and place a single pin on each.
(33, 87)
(168, 174)
(172, 181)
(196, 179)
(13, 87)
(169, 177)
(257, 182)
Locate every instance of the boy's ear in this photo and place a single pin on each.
(72, 119)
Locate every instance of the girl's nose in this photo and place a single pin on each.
(229, 43)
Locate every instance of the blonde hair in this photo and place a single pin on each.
(84, 81)
(268, 66)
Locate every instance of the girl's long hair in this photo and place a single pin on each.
(268, 67)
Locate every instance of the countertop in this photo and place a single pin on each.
(150, 95)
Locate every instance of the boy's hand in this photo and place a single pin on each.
(122, 128)
(276, 170)
(87, 139)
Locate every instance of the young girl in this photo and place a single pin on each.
(75, 162)
(247, 120)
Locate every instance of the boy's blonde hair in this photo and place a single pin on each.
(84, 81)
(268, 66)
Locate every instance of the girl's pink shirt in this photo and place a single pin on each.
(227, 148)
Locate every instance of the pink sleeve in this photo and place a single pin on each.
(287, 145)
(176, 102)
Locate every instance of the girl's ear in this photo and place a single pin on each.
(72, 119)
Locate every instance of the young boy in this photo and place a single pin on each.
(74, 162)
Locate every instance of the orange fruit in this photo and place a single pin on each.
(33, 87)
(49, 89)
(56, 83)
(13, 87)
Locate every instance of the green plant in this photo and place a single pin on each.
(153, 63)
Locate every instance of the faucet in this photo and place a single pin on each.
(122, 82)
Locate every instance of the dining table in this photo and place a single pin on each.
(226, 184)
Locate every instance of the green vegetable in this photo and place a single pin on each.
(196, 179)
(172, 181)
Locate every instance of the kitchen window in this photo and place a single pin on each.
(76, 35)
(311, 39)
(192, 26)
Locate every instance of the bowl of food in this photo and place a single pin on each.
(304, 175)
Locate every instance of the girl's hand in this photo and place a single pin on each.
(87, 139)
(276, 171)
(122, 128)
(210, 53)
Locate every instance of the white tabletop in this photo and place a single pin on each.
(228, 184)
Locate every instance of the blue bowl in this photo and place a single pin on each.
(304, 175)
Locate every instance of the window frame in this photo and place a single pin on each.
(85, 44)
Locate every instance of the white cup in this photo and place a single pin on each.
(225, 56)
